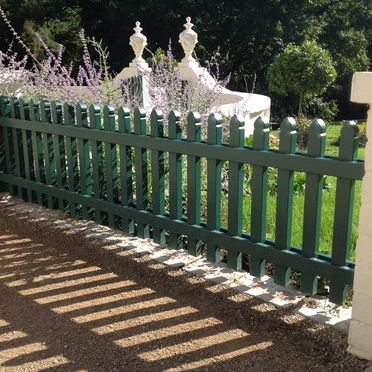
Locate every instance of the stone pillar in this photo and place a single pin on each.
(360, 333)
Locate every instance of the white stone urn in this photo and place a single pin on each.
(188, 39)
(138, 41)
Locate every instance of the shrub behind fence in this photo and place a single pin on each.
(95, 164)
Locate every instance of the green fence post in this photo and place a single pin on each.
(214, 166)
(71, 155)
(235, 193)
(97, 158)
(84, 163)
(143, 230)
(157, 173)
(48, 150)
(193, 130)
(259, 196)
(17, 145)
(313, 204)
(342, 226)
(37, 147)
(24, 113)
(126, 169)
(5, 112)
(59, 151)
(175, 178)
(111, 161)
(284, 206)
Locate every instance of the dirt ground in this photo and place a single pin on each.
(69, 304)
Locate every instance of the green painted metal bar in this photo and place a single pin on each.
(37, 146)
(259, 195)
(140, 158)
(110, 161)
(235, 192)
(296, 162)
(59, 151)
(71, 154)
(284, 205)
(220, 238)
(48, 149)
(126, 169)
(214, 137)
(193, 130)
(175, 178)
(24, 114)
(342, 227)
(97, 157)
(84, 162)
(157, 174)
(313, 204)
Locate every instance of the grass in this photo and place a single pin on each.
(327, 212)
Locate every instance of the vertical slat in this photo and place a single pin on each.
(126, 169)
(48, 149)
(214, 166)
(5, 112)
(235, 193)
(59, 151)
(111, 161)
(342, 228)
(157, 174)
(37, 147)
(14, 113)
(71, 155)
(313, 204)
(2, 145)
(24, 112)
(83, 149)
(175, 178)
(259, 195)
(193, 181)
(141, 170)
(284, 206)
(97, 157)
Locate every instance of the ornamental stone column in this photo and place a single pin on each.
(360, 333)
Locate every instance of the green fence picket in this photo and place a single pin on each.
(126, 169)
(342, 227)
(284, 205)
(59, 151)
(5, 112)
(193, 130)
(175, 178)
(24, 113)
(97, 158)
(49, 160)
(140, 158)
(71, 155)
(84, 162)
(17, 146)
(235, 193)
(313, 203)
(157, 173)
(259, 196)
(37, 147)
(110, 161)
(214, 166)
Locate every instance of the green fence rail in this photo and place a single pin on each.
(112, 167)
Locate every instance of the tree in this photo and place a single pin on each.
(305, 70)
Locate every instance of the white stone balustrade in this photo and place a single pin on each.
(360, 333)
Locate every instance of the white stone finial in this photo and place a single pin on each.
(188, 40)
(138, 41)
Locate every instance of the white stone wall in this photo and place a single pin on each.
(360, 333)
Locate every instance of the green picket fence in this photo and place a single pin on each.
(94, 163)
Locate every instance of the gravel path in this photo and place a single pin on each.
(70, 303)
